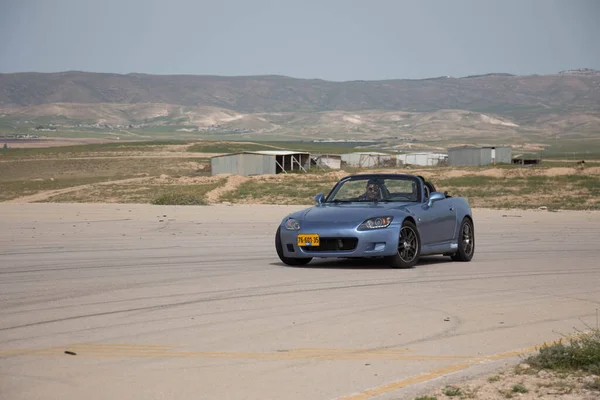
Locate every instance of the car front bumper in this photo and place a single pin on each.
(341, 240)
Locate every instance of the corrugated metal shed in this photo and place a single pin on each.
(369, 159)
(472, 155)
(333, 161)
(275, 152)
(503, 155)
(264, 162)
(422, 159)
(523, 159)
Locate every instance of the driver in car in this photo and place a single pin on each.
(373, 192)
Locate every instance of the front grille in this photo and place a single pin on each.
(334, 244)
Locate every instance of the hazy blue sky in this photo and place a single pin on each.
(327, 39)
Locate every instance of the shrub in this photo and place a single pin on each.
(581, 352)
(179, 199)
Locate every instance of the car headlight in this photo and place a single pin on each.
(375, 223)
(292, 224)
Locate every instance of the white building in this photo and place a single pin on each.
(423, 159)
(369, 159)
(333, 161)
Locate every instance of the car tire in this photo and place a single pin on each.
(287, 260)
(408, 239)
(466, 241)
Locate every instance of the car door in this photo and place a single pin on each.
(438, 222)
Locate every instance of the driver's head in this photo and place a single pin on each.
(372, 190)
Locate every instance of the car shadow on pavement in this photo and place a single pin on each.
(373, 263)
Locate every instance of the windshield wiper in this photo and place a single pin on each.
(383, 201)
(340, 201)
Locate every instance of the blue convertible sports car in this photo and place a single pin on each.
(398, 217)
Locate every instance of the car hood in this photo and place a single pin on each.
(350, 212)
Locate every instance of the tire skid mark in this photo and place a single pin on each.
(342, 287)
(137, 265)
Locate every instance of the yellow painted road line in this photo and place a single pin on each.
(390, 387)
(436, 373)
(123, 345)
(351, 349)
(336, 354)
(332, 354)
(132, 351)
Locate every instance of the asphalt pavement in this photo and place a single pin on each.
(115, 301)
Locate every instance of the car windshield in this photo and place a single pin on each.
(367, 189)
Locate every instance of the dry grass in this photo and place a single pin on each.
(285, 191)
(160, 190)
(554, 188)
(173, 167)
(17, 189)
(568, 370)
(554, 192)
(523, 382)
(11, 171)
(51, 169)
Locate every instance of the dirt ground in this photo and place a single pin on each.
(234, 181)
(46, 194)
(178, 175)
(522, 382)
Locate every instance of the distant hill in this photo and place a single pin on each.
(500, 93)
(558, 102)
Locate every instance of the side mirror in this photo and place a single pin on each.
(435, 196)
(320, 198)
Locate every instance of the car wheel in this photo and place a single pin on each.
(287, 260)
(466, 241)
(409, 247)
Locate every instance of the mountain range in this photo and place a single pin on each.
(567, 102)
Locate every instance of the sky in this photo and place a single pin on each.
(336, 40)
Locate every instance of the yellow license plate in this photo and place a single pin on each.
(308, 240)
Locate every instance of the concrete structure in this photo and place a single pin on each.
(369, 159)
(249, 163)
(422, 159)
(473, 155)
(333, 161)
